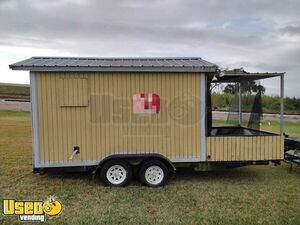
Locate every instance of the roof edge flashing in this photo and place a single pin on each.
(113, 69)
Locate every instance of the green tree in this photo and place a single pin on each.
(230, 88)
(247, 87)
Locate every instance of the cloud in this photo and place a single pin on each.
(256, 35)
(292, 30)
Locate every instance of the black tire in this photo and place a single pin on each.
(160, 170)
(118, 169)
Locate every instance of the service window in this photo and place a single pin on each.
(73, 90)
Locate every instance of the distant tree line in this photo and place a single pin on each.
(271, 104)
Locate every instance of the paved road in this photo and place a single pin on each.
(14, 106)
(267, 116)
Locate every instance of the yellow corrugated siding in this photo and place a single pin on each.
(73, 90)
(244, 148)
(94, 111)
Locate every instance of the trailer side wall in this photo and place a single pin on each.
(95, 112)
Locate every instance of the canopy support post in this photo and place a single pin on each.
(240, 104)
(281, 104)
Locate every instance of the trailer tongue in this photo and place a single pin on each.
(292, 149)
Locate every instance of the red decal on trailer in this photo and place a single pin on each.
(146, 103)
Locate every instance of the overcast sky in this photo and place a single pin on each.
(258, 35)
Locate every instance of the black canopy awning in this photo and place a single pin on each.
(239, 75)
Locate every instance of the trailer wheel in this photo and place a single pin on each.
(154, 173)
(116, 172)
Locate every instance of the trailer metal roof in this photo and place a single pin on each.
(180, 64)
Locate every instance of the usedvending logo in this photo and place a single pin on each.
(32, 210)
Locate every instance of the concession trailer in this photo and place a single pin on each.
(113, 116)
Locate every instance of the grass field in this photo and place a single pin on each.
(248, 195)
(14, 92)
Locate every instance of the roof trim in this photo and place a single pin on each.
(114, 69)
(114, 58)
